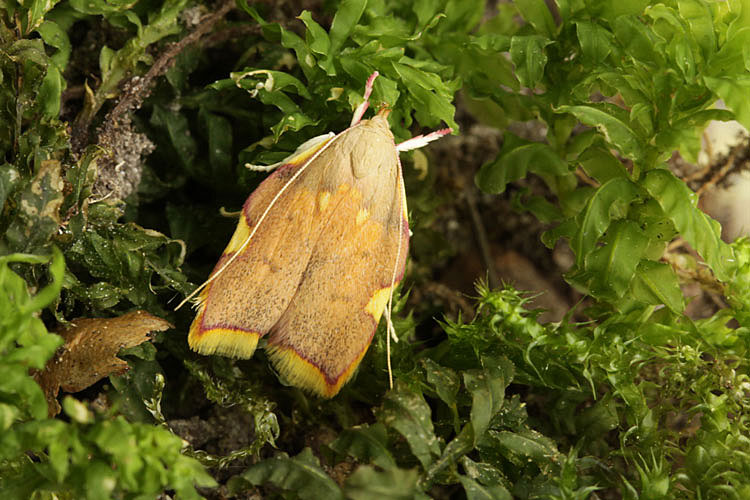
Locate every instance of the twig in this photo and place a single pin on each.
(729, 164)
(480, 232)
(134, 95)
(140, 87)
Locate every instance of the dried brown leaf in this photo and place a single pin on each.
(90, 352)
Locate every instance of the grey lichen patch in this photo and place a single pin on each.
(120, 170)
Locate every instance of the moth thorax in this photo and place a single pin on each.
(373, 153)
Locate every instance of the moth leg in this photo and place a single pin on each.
(420, 141)
(263, 168)
(305, 148)
(360, 111)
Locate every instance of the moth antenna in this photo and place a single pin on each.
(413, 143)
(360, 111)
(390, 329)
(256, 226)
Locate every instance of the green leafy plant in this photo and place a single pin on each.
(86, 457)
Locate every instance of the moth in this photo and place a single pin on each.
(318, 250)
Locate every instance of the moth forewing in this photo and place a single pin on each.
(230, 318)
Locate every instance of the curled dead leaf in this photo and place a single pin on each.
(90, 352)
